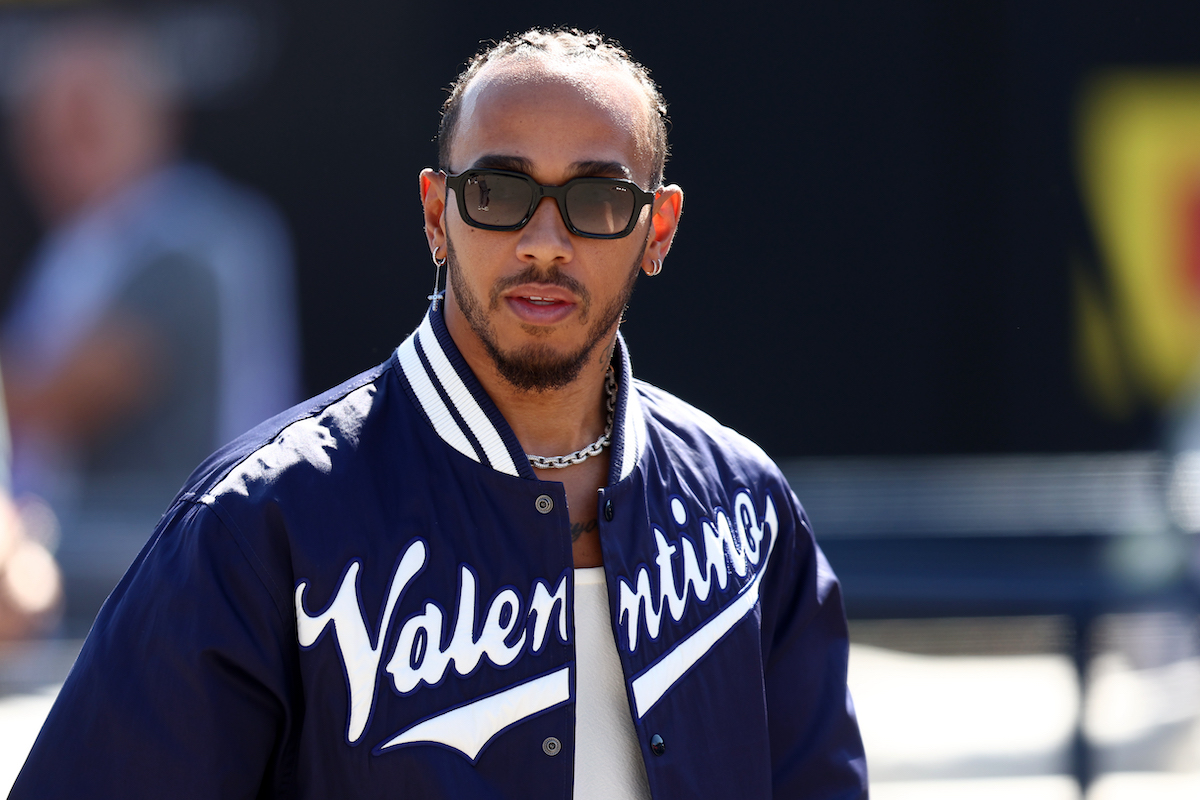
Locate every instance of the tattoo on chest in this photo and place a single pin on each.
(580, 528)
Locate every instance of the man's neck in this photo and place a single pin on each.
(555, 422)
(551, 422)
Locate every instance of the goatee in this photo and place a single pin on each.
(537, 367)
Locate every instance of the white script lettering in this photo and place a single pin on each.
(422, 654)
(728, 546)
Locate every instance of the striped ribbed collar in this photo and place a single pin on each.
(465, 417)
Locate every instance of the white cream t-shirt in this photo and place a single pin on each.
(608, 760)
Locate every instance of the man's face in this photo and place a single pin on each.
(539, 302)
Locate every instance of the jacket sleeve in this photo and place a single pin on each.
(183, 688)
(816, 749)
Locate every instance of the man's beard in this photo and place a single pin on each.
(536, 367)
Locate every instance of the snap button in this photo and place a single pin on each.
(544, 504)
(608, 510)
(551, 746)
(657, 745)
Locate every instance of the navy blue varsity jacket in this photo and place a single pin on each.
(369, 596)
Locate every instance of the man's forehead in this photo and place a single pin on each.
(608, 88)
(600, 80)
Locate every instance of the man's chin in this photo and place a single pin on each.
(538, 368)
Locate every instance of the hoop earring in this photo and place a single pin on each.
(437, 277)
(656, 265)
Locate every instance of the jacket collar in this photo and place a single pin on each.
(465, 417)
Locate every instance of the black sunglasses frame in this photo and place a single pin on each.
(559, 193)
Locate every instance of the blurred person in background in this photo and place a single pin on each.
(157, 318)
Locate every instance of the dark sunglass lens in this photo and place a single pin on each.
(496, 199)
(600, 208)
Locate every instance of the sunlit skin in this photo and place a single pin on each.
(553, 121)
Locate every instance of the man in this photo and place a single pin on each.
(381, 594)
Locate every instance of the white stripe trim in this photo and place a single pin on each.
(489, 438)
(443, 421)
(633, 431)
(469, 728)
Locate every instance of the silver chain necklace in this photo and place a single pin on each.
(593, 449)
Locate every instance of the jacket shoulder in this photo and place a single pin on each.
(310, 433)
(689, 435)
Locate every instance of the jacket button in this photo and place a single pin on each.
(657, 745)
(608, 510)
(551, 746)
(544, 504)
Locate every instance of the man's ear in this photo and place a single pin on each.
(664, 221)
(433, 201)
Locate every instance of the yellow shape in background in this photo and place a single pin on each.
(1138, 153)
(1097, 351)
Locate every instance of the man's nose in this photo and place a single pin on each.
(545, 237)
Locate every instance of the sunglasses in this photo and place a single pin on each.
(499, 200)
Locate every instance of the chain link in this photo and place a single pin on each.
(593, 449)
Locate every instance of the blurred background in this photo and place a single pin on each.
(942, 260)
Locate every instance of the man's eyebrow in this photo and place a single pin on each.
(601, 169)
(510, 163)
(580, 169)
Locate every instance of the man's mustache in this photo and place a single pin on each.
(534, 274)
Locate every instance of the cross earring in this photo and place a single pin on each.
(437, 277)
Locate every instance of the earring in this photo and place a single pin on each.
(655, 267)
(437, 277)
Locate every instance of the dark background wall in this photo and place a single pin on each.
(880, 210)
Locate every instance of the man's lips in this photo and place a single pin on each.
(539, 306)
